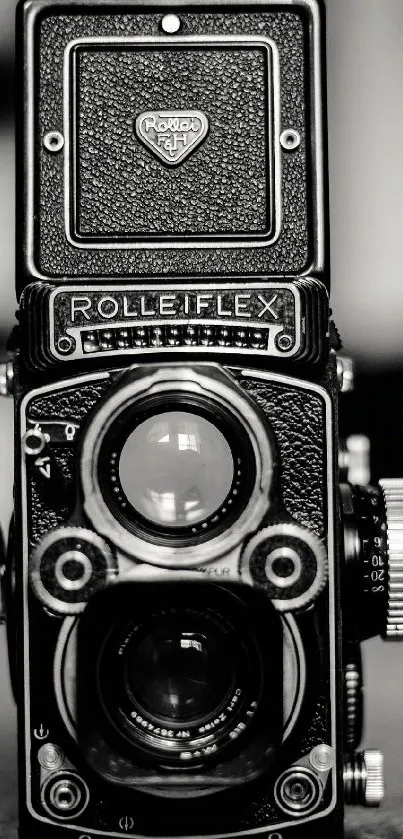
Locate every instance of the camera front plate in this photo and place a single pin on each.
(307, 487)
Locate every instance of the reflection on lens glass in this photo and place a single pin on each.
(181, 671)
(176, 468)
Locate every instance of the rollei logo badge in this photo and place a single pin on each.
(172, 135)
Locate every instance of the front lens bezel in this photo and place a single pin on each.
(204, 386)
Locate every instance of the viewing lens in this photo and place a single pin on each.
(176, 469)
(180, 671)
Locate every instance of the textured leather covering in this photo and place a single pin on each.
(70, 403)
(298, 423)
(50, 508)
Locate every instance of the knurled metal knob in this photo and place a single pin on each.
(6, 378)
(364, 779)
(353, 697)
(393, 497)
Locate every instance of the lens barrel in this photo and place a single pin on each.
(181, 675)
(181, 685)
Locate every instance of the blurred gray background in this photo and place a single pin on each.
(365, 84)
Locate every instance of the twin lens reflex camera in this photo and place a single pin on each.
(187, 583)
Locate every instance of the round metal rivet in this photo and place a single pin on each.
(50, 756)
(65, 344)
(290, 139)
(283, 555)
(83, 564)
(53, 141)
(171, 24)
(322, 758)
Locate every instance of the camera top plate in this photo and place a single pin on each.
(148, 154)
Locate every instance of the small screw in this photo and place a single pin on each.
(284, 342)
(50, 756)
(290, 139)
(65, 345)
(53, 141)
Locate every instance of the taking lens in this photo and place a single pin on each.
(181, 668)
(182, 682)
(176, 469)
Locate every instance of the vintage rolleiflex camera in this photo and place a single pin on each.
(182, 565)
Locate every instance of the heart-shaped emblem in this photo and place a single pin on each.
(172, 135)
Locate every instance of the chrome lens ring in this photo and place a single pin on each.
(205, 385)
(176, 477)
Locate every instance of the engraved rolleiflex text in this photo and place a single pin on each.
(204, 305)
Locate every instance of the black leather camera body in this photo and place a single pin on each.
(177, 573)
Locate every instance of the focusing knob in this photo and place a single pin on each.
(68, 566)
(364, 778)
(393, 499)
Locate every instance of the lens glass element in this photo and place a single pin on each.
(181, 670)
(186, 671)
(176, 468)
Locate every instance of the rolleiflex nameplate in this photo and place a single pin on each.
(72, 323)
(152, 154)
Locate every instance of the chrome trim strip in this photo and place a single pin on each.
(273, 107)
